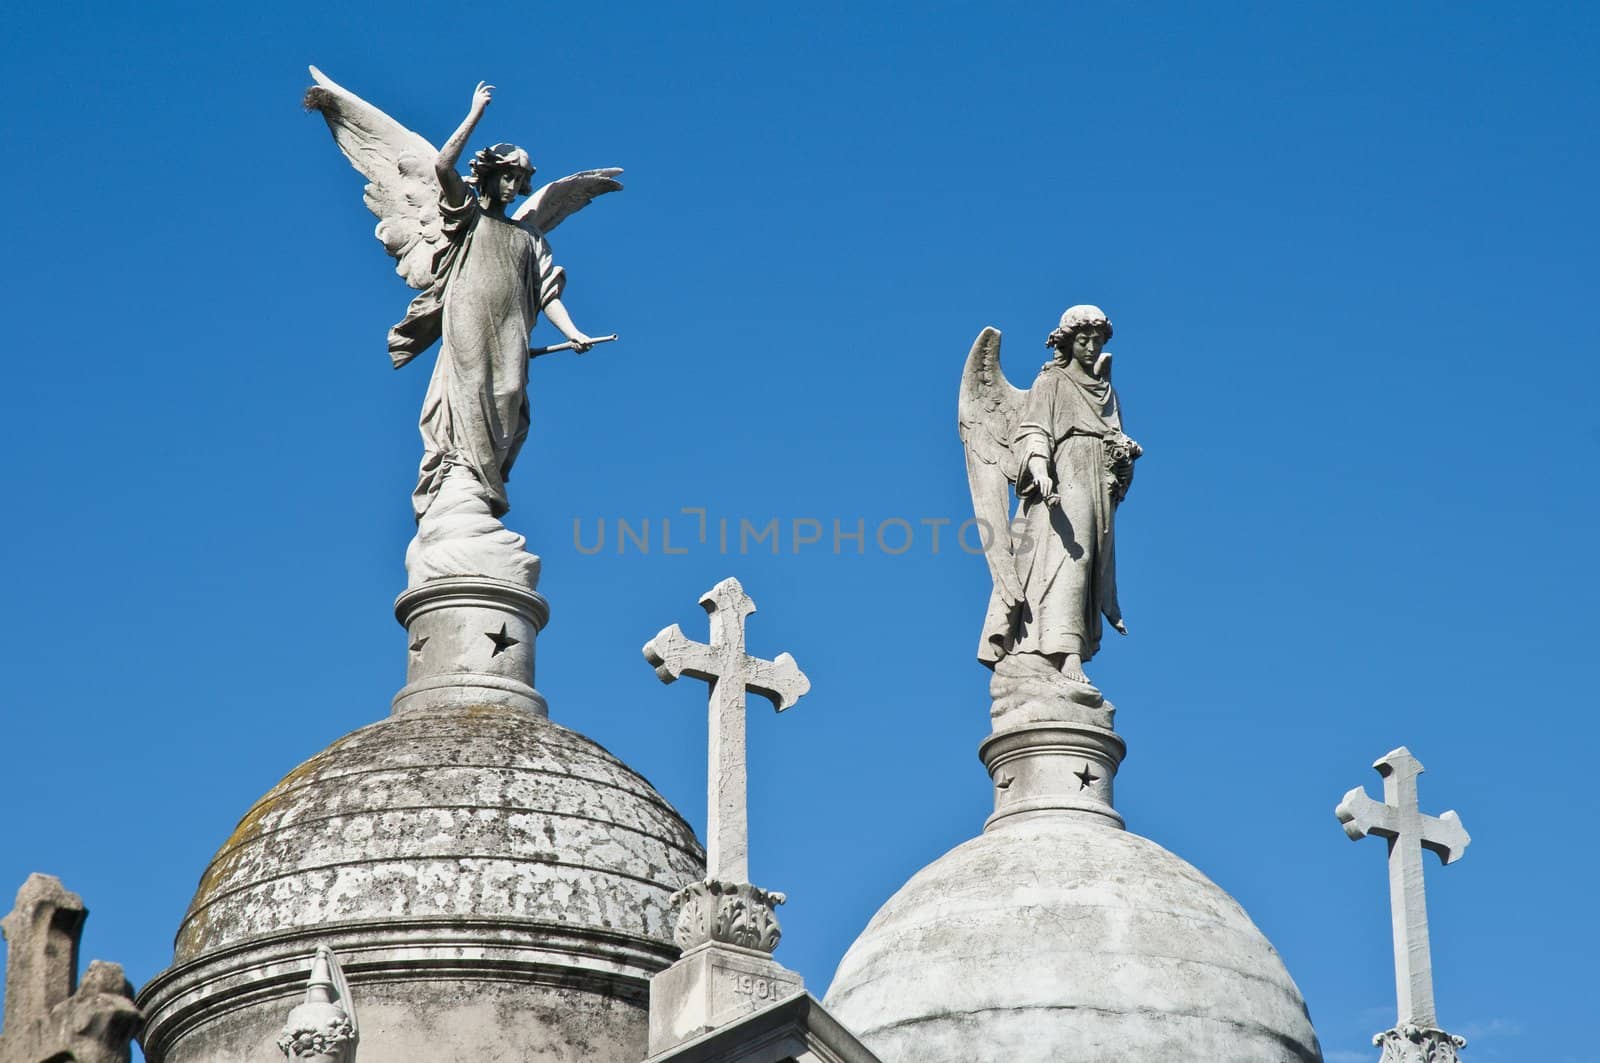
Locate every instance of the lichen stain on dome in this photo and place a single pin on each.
(247, 830)
(479, 811)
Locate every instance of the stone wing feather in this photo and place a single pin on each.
(402, 188)
(559, 200)
(987, 417)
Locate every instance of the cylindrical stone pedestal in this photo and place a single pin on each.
(470, 641)
(1053, 768)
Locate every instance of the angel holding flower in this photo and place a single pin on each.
(1061, 445)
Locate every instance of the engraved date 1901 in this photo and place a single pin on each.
(754, 986)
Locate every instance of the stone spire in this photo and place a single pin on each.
(1416, 1037)
(323, 1028)
(49, 1015)
(726, 927)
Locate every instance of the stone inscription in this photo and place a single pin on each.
(750, 985)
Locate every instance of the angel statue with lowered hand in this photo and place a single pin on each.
(485, 277)
(1061, 444)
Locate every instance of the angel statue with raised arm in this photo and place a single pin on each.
(485, 277)
(1061, 445)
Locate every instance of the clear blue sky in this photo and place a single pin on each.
(1350, 254)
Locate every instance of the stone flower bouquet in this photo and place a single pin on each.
(1121, 452)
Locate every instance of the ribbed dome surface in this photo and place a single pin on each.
(484, 812)
(1056, 939)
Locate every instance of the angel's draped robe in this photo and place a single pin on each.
(490, 281)
(1067, 564)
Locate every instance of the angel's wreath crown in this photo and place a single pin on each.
(1077, 319)
(491, 160)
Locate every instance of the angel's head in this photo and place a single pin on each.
(501, 173)
(1082, 335)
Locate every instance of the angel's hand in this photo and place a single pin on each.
(1042, 481)
(581, 342)
(481, 97)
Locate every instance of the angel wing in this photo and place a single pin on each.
(402, 188)
(559, 200)
(988, 413)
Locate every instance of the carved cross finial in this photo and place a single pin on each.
(731, 671)
(42, 933)
(1408, 831)
(48, 1015)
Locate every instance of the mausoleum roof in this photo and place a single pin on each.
(480, 811)
(1058, 937)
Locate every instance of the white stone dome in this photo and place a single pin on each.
(1064, 939)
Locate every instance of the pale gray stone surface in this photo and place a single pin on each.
(470, 641)
(1061, 445)
(713, 985)
(1053, 769)
(485, 277)
(796, 1028)
(1053, 937)
(50, 1017)
(460, 537)
(1416, 1035)
(323, 1028)
(496, 885)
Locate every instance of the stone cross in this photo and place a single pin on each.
(731, 671)
(1408, 832)
(42, 934)
(49, 1016)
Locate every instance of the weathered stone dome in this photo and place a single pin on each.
(1065, 939)
(496, 886)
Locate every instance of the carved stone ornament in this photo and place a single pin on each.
(733, 913)
(1419, 1044)
(50, 1015)
(322, 1029)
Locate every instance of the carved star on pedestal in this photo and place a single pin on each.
(1085, 777)
(502, 641)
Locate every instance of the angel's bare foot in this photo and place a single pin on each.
(1072, 668)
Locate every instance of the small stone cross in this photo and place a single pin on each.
(1408, 832)
(731, 671)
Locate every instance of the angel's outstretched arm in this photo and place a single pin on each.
(455, 190)
(556, 311)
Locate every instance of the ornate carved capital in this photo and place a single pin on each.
(733, 913)
(1418, 1044)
